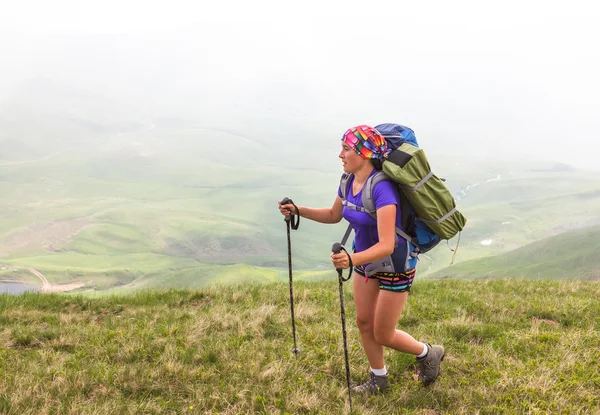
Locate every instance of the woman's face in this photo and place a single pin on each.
(351, 161)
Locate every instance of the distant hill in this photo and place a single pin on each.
(571, 254)
(99, 190)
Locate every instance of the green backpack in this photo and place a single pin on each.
(429, 213)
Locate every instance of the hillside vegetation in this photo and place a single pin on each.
(572, 254)
(512, 347)
(95, 191)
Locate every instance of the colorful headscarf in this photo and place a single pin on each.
(366, 141)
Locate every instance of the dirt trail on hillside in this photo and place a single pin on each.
(48, 287)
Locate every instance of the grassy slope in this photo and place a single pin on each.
(520, 209)
(572, 254)
(512, 347)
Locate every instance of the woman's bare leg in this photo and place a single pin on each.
(387, 313)
(365, 300)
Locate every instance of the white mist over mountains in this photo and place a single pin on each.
(516, 81)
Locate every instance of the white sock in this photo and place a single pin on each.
(379, 372)
(424, 352)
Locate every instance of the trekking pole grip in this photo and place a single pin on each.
(295, 218)
(336, 249)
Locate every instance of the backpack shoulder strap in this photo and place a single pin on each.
(344, 190)
(367, 194)
(344, 185)
(369, 204)
(367, 200)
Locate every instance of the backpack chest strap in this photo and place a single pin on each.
(352, 206)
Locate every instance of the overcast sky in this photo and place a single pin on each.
(504, 76)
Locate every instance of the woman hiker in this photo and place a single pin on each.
(379, 298)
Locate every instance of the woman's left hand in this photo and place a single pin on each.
(340, 260)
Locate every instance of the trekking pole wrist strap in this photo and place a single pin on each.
(351, 267)
(295, 218)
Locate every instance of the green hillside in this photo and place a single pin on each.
(511, 347)
(139, 198)
(571, 254)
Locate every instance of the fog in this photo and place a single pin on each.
(496, 81)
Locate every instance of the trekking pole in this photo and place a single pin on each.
(294, 225)
(336, 248)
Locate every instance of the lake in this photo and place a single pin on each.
(16, 287)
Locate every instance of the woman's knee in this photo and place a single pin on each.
(365, 324)
(383, 336)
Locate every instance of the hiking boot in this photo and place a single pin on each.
(373, 385)
(429, 365)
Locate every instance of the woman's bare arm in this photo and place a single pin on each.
(322, 215)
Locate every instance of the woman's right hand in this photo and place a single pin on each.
(287, 209)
